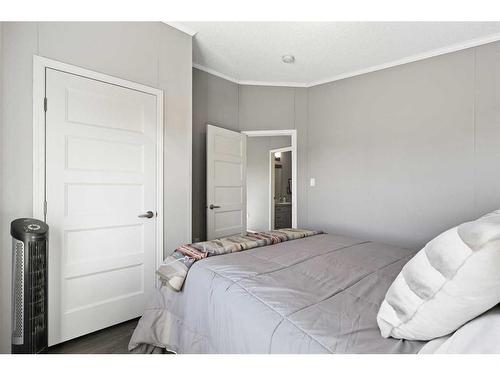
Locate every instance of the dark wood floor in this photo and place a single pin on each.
(112, 340)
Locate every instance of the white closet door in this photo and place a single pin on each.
(100, 177)
(226, 182)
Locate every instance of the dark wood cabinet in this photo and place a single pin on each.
(282, 216)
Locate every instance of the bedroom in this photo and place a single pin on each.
(388, 140)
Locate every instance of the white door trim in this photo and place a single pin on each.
(293, 135)
(271, 183)
(40, 64)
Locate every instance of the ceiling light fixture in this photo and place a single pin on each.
(288, 59)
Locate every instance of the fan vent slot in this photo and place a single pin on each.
(37, 293)
(18, 294)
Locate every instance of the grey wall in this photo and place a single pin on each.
(398, 155)
(222, 103)
(150, 53)
(3, 275)
(486, 129)
(215, 102)
(401, 154)
(258, 201)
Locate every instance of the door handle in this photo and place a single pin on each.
(212, 206)
(147, 215)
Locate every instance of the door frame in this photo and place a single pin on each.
(40, 64)
(272, 172)
(293, 135)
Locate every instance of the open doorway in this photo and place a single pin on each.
(266, 171)
(280, 188)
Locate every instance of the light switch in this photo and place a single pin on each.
(312, 182)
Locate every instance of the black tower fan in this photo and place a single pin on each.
(29, 286)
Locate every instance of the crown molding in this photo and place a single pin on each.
(182, 28)
(247, 83)
(216, 73)
(422, 56)
(272, 83)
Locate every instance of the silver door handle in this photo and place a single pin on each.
(212, 206)
(147, 215)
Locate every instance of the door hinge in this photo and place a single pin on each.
(45, 208)
(45, 104)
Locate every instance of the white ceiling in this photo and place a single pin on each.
(250, 52)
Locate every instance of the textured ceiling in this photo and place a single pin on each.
(251, 51)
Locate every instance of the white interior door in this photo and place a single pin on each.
(226, 182)
(100, 176)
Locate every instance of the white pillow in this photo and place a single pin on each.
(453, 279)
(479, 336)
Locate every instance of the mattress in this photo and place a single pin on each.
(319, 294)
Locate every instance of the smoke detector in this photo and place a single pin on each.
(288, 59)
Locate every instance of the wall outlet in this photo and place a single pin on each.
(312, 182)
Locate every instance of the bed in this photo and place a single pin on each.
(319, 294)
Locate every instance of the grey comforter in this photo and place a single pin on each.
(319, 294)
